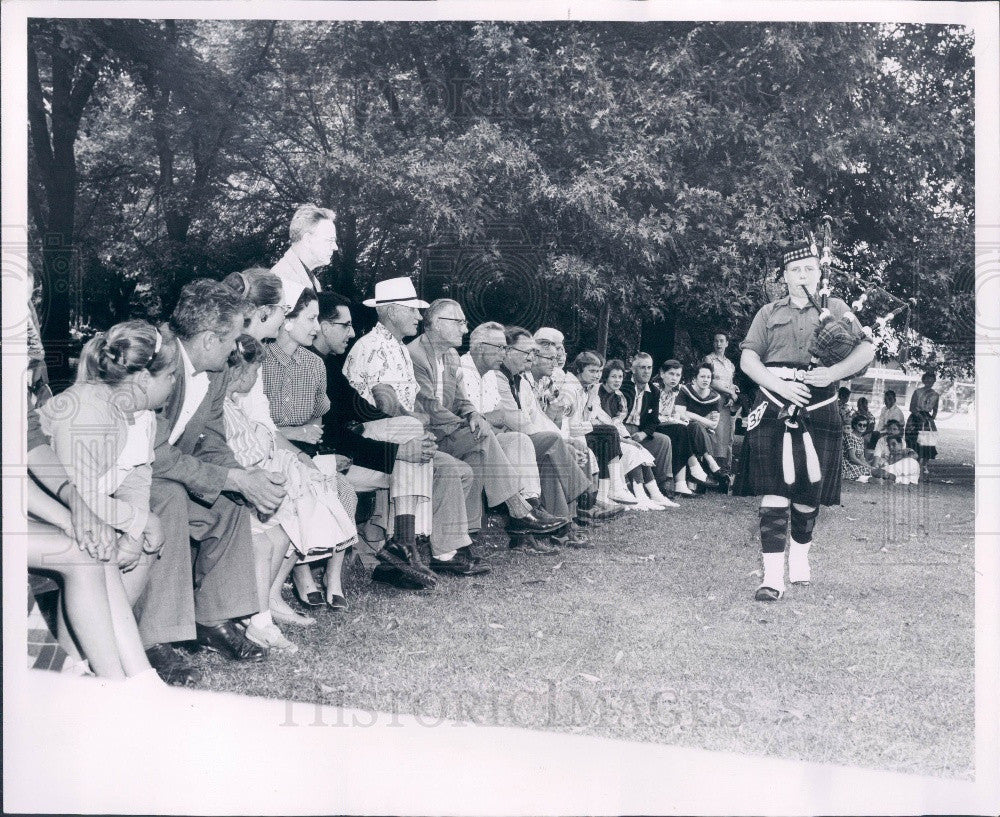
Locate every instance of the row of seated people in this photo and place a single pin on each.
(230, 444)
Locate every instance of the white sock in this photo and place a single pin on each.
(697, 471)
(146, 678)
(656, 495)
(774, 571)
(603, 489)
(798, 561)
(261, 620)
(446, 557)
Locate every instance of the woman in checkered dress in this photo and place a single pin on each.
(793, 472)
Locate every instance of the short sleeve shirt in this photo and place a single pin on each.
(295, 385)
(481, 390)
(781, 332)
(378, 358)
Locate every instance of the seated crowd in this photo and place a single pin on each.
(888, 449)
(201, 464)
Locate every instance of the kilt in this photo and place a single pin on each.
(760, 468)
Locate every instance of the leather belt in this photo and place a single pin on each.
(787, 372)
(811, 407)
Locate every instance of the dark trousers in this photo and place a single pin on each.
(223, 585)
(606, 445)
(681, 443)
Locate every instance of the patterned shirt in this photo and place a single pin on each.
(378, 358)
(668, 399)
(480, 389)
(295, 386)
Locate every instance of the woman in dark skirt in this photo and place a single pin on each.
(923, 414)
(794, 467)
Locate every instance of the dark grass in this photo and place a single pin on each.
(653, 636)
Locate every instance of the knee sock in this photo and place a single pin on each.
(518, 506)
(405, 528)
(773, 532)
(798, 549)
(803, 523)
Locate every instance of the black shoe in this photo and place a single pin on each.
(543, 514)
(314, 598)
(531, 544)
(724, 480)
(461, 564)
(532, 523)
(229, 641)
(578, 539)
(387, 574)
(396, 557)
(171, 666)
(404, 557)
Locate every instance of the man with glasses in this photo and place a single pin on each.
(313, 233)
(480, 369)
(560, 466)
(394, 453)
(462, 431)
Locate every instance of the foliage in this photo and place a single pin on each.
(638, 171)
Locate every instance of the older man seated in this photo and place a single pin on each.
(380, 370)
(563, 470)
(461, 430)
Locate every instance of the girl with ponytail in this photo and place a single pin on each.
(102, 431)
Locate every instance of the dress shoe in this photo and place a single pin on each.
(293, 620)
(404, 558)
(227, 640)
(336, 602)
(577, 539)
(171, 666)
(533, 524)
(388, 574)
(543, 514)
(608, 510)
(311, 599)
(461, 564)
(531, 544)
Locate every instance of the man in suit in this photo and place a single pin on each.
(313, 233)
(462, 431)
(563, 470)
(196, 482)
(643, 418)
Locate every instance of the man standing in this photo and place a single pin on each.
(560, 466)
(462, 431)
(723, 372)
(642, 399)
(396, 453)
(313, 233)
(193, 472)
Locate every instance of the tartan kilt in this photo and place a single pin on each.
(760, 468)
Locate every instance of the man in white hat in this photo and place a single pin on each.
(380, 370)
(313, 233)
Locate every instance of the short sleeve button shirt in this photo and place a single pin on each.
(378, 358)
(781, 332)
(295, 385)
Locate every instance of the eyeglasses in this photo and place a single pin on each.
(544, 357)
(525, 352)
(461, 321)
(348, 324)
(495, 346)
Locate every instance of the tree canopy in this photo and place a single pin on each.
(593, 175)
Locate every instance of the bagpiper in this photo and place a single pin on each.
(797, 350)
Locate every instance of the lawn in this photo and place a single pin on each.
(652, 635)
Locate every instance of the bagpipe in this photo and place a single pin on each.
(833, 341)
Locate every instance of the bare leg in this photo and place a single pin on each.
(130, 650)
(85, 596)
(334, 568)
